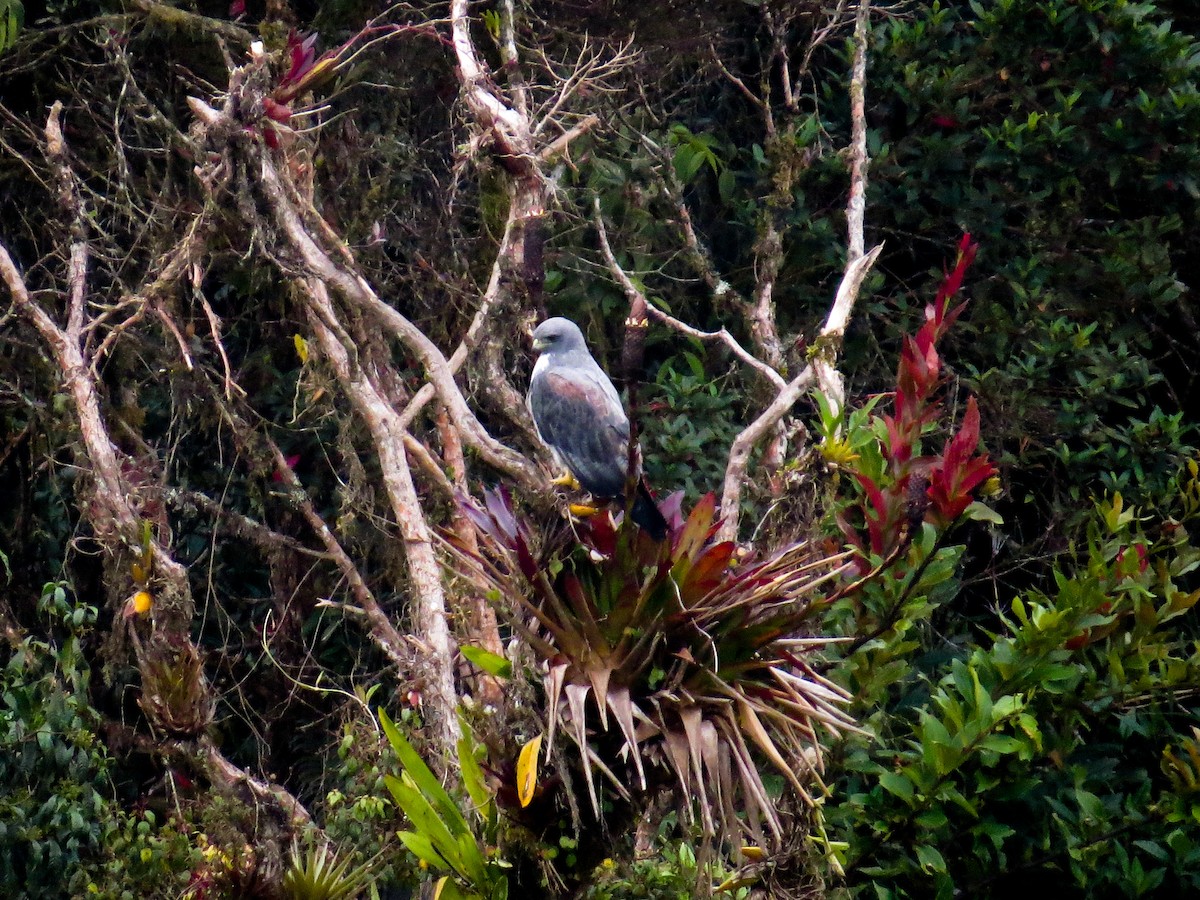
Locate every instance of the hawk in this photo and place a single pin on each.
(579, 416)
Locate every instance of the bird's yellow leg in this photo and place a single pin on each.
(567, 480)
(583, 510)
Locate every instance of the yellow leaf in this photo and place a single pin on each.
(527, 770)
(734, 882)
(301, 347)
(441, 886)
(754, 854)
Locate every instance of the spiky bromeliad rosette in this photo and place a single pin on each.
(673, 656)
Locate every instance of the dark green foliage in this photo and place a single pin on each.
(671, 875)
(52, 768)
(1056, 752)
(1064, 136)
(358, 812)
(61, 829)
(686, 415)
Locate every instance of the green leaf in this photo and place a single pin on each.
(1001, 743)
(423, 777)
(12, 20)
(930, 858)
(932, 820)
(726, 182)
(492, 663)
(472, 774)
(422, 848)
(462, 855)
(981, 512)
(895, 783)
(938, 745)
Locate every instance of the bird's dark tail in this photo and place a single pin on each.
(645, 513)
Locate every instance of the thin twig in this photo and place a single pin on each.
(633, 293)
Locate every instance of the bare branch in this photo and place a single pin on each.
(754, 99)
(355, 289)
(758, 313)
(241, 525)
(559, 145)
(508, 127)
(823, 368)
(174, 17)
(214, 325)
(744, 443)
(859, 161)
(828, 377)
(482, 626)
(387, 638)
(512, 63)
(387, 435)
(633, 293)
(834, 20)
(226, 774)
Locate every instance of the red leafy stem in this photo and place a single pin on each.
(947, 480)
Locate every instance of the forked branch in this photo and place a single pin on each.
(822, 368)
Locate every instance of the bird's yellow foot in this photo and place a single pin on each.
(583, 511)
(567, 480)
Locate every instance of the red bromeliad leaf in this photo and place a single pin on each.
(292, 461)
(953, 281)
(499, 507)
(954, 475)
(953, 478)
(303, 53)
(481, 520)
(529, 566)
(672, 511)
(698, 529)
(874, 494)
(899, 449)
(1129, 565)
(708, 571)
(601, 534)
(916, 378)
(237, 8)
(878, 514)
(854, 539)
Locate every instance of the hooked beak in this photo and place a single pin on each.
(539, 345)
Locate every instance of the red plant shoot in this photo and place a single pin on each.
(948, 480)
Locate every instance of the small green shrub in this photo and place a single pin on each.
(687, 415)
(1056, 751)
(61, 829)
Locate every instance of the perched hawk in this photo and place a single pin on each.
(579, 416)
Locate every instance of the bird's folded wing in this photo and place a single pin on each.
(580, 421)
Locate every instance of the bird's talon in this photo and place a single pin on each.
(567, 480)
